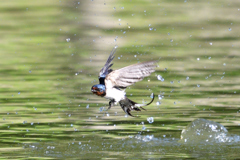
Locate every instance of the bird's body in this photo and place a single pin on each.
(113, 83)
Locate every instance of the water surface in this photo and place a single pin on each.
(51, 53)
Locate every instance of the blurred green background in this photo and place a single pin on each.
(52, 51)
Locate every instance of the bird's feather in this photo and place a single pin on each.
(131, 74)
(106, 68)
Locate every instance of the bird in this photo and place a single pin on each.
(112, 83)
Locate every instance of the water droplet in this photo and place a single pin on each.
(158, 103)
(222, 77)
(198, 59)
(129, 26)
(160, 78)
(171, 82)
(171, 40)
(187, 78)
(168, 33)
(150, 119)
(68, 39)
(151, 95)
(224, 64)
(19, 92)
(119, 19)
(230, 29)
(210, 43)
(101, 109)
(30, 71)
(198, 85)
(87, 106)
(150, 28)
(76, 74)
(143, 128)
(160, 97)
(209, 57)
(124, 32)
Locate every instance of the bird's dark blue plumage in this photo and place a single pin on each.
(99, 89)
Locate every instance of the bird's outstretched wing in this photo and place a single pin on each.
(106, 68)
(126, 76)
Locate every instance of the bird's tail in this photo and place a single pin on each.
(129, 105)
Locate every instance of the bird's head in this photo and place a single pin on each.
(99, 90)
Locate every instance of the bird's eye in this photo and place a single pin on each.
(95, 88)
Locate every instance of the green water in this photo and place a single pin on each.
(48, 110)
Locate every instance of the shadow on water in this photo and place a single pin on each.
(51, 57)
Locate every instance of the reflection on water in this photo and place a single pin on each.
(51, 55)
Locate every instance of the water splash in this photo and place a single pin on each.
(205, 131)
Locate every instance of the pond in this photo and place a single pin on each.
(52, 52)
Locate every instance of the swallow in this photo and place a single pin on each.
(112, 83)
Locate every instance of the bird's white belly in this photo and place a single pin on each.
(115, 94)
